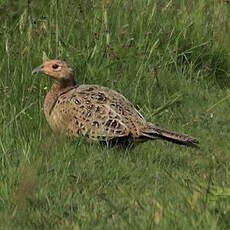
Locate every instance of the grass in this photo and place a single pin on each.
(171, 59)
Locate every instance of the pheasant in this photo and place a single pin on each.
(97, 112)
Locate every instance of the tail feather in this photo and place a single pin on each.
(154, 132)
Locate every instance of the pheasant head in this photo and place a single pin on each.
(58, 70)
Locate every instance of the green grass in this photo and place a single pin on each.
(171, 59)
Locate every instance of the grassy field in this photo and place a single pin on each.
(171, 59)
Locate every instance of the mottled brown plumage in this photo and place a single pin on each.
(97, 112)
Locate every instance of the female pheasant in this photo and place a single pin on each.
(97, 112)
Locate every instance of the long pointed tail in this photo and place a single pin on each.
(154, 132)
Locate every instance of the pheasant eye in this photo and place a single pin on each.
(55, 66)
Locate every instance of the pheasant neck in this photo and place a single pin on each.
(60, 85)
(55, 91)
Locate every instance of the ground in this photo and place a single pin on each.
(171, 60)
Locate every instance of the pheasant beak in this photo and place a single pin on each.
(37, 69)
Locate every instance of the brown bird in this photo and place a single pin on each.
(97, 112)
